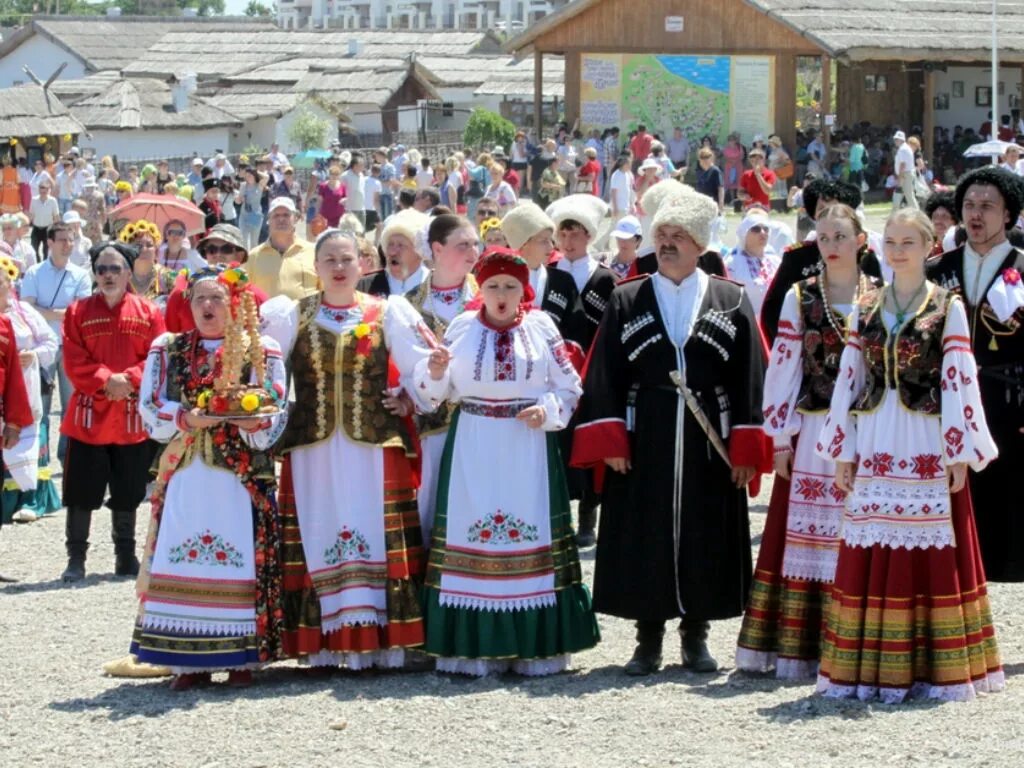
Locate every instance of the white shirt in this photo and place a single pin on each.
(44, 212)
(755, 274)
(979, 270)
(679, 305)
(424, 179)
(402, 287)
(539, 283)
(622, 193)
(355, 197)
(904, 159)
(371, 188)
(38, 177)
(80, 253)
(225, 170)
(581, 269)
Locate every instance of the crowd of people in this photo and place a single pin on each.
(447, 364)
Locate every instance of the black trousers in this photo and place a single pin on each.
(90, 470)
(39, 238)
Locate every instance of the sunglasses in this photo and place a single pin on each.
(486, 213)
(758, 229)
(175, 232)
(108, 269)
(222, 249)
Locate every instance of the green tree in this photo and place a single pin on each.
(256, 8)
(309, 130)
(486, 128)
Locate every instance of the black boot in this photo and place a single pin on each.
(585, 536)
(76, 538)
(647, 656)
(696, 656)
(123, 533)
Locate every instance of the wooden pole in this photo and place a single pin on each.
(928, 140)
(538, 94)
(826, 97)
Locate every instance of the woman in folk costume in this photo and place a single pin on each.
(797, 560)
(440, 299)
(149, 279)
(210, 590)
(29, 491)
(909, 613)
(353, 551)
(504, 586)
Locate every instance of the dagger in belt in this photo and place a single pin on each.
(679, 379)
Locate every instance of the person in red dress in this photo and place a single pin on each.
(106, 339)
(15, 411)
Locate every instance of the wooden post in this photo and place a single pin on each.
(826, 97)
(538, 95)
(928, 140)
(785, 99)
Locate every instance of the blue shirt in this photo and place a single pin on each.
(43, 284)
(387, 173)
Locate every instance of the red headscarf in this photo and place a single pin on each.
(505, 261)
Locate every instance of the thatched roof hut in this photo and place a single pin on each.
(102, 42)
(130, 104)
(902, 30)
(30, 111)
(212, 55)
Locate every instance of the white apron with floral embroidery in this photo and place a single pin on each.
(498, 549)
(203, 578)
(339, 499)
(497, 535)
(900, 496)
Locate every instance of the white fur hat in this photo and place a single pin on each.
(659, 193)
(588, 210)
(523, 222)
(409, 222)
(692, 211)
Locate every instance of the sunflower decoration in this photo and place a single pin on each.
(488, 224)
(135, 229)
(43, 140)
(7, 265)
(14, 142)
(242, 347)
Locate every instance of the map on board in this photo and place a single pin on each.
(706, 95)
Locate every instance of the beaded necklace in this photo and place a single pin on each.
(835, 319)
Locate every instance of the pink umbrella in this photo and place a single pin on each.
(158, 209)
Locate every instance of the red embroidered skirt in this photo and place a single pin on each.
(912, 622)
(302, 634)
(783, 621)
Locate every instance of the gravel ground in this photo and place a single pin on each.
(57, 709)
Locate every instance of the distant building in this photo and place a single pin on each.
(506, 15)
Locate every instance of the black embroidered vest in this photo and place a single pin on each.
(338, 382)
(822, 348)
(909, 360)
